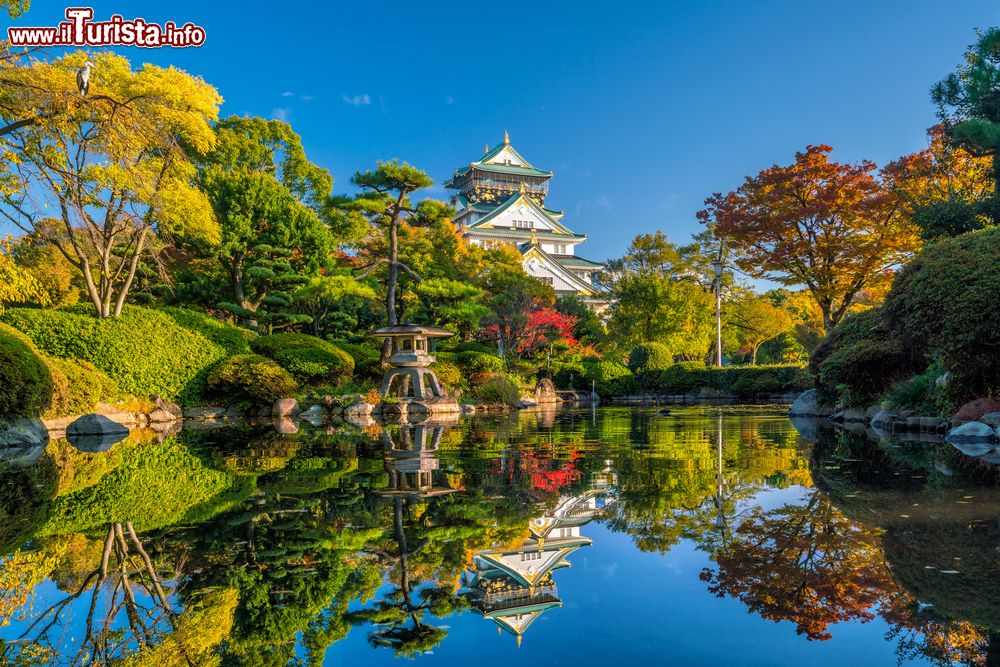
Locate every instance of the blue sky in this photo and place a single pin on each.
(642, 109)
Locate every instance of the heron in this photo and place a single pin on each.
(83, 78)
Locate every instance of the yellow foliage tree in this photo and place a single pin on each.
(17, 283)
(112, 165)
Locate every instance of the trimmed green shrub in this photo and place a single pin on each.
(686, 377)
(311, 360)
(860, 360)
(942, 305)
(474, 362)
(83, 387)
(569, 376)
(609, 378)
(24, 376)
(366, 358)
(448, 374)
(231, 338)
(252, 375)
(144, 351)
(650, 357)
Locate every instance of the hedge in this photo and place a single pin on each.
(692, 377)
(251, 376)
(309, 359)
(860, 360)
(25, 377)
(942, 305)
(144, 351)
(231, 338)
(650, 357)
(84, 387)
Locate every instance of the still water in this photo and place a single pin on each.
(706, 536)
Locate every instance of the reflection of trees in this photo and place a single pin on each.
(804, 563)
(125, 583)
(398, 616)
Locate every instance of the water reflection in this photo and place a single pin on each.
(250, 546)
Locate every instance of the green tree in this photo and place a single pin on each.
(272, 206)
(385, 203)
(756, 321)
(967, 104)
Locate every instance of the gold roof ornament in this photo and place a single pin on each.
(486, 149)
(534, 239)
(506, 137)
(524, 187)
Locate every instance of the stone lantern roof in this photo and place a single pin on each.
(398, 330)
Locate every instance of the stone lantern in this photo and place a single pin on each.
(409, 375)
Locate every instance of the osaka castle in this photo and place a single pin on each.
(501, 199)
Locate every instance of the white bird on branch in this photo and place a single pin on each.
(83, 78)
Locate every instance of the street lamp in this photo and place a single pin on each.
(718, 265)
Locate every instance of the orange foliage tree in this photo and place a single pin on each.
(807, 564)
(838, 229)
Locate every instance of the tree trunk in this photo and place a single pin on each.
(753, 357)
(123, 291)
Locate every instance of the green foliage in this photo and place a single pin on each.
(609, 378)
(85, 387)
(311, 360)
(453, 304)
(686, 377)
(942, 307)
(650, 357)
(232, 339)
(24, 376)
(473, 362)
(679, 314)
(252, 375)
(922, 395)
(156, 485)
(144, 351)
(860, 360)
(569, 376)
(447, 373)
(499, 390)
(366, 358)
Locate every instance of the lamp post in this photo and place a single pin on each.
(718, 266)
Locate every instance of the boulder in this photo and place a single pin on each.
(168, 406)
(991, 419)
(285, 407)
(359, 409)
(95, 424)
(285, 426)
(975, 409)
(315, 415)
(160, 416)
(393, 410)
(808, 405)
(95, 433)
(206, 413)
(971, 432)
(468, 409)
(234, 412)
(973, 448)
(545, 392)
(526, 403)
(23, 433)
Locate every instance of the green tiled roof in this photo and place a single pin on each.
(504, 169)
(574, 262)
(519, 233)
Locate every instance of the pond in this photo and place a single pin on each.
(694, 535)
